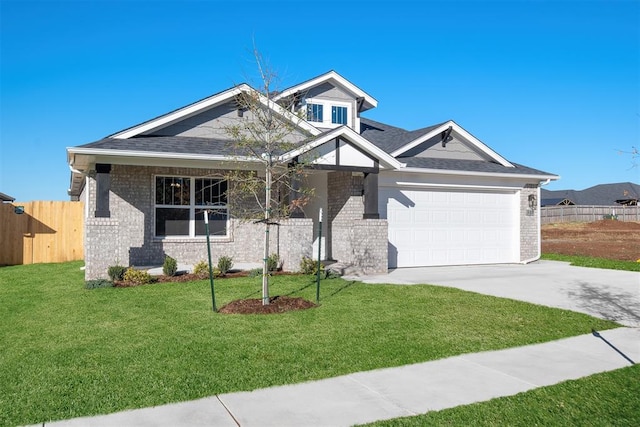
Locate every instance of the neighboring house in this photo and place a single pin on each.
(391, 197)
(622, 193)
(5, 198)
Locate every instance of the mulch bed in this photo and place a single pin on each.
(277, 304)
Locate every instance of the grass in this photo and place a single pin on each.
(586, 261)
(69, 352)
(606, 399)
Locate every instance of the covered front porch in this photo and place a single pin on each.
(352, 235)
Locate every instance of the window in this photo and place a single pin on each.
(339, 115)
(314, 112)
(181, 201)
(341, 112)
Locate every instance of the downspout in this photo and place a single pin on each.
(539, 251)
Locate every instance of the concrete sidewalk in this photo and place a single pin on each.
(393, 392)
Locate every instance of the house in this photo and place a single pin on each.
(391, 197)
(6, 198)
(621, 193)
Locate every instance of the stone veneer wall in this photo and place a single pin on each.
(529, 230)
(126, 238)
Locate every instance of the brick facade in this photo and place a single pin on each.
(345, 196)
(127, 237)
(529, 225)
(362, 244)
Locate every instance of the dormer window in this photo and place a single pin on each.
(339, 115)
(340, 112)
(314, 112)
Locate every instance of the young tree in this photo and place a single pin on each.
(265, 131)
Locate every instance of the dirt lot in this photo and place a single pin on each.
(605, 239)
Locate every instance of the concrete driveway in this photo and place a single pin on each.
(607, 294)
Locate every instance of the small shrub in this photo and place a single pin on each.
(273, 262)
(116, 272)
(201, 269)
(255, 272)
(170, 266)
(332, 274)
(225, 263)
(137, 277)
(98, 283)
(310, 266)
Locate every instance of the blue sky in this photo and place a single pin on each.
(551, 85)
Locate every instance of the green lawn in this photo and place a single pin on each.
(586, 261)
(68, 351)
(606, 399)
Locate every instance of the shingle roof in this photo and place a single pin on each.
(164, 144)
(385, 137)
(598, 195)
(5, 198)
(470, 166)
(390, 138)
(553, 201)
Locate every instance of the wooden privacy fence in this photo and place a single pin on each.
(45, 232)
(579, 213)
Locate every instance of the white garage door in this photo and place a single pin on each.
(432, 227)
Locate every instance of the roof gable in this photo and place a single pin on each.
(421, 151)
(345, 144)
(466, 146)
(366, 101)
(215, 122)
(437, 148)
(198, 108)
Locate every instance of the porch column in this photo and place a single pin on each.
(103, 185)
(371, 196)
(294, 193)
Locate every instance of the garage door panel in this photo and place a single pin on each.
(428, 227)
(457, 217)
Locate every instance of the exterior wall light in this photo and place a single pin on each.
(533, 204)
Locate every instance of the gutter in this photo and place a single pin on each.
(548, 178)
(75, 171)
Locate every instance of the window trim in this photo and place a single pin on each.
(313, 117)
(327, 121)
(194, 210)
(346, 114)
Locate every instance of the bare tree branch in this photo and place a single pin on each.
(264, 132)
